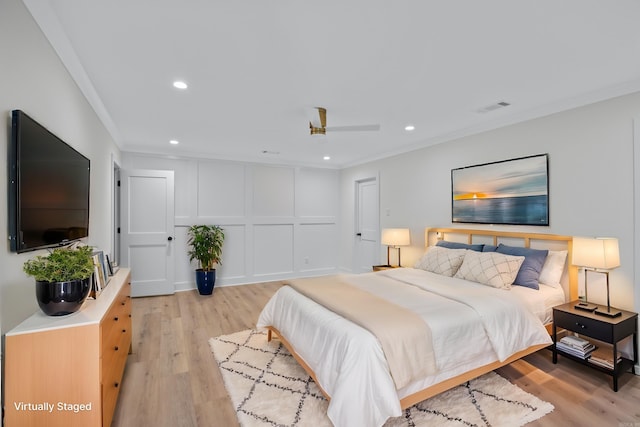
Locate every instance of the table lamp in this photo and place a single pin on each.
(395, 237)
(599, 254)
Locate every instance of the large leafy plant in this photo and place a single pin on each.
(206, 245)
(61, 265)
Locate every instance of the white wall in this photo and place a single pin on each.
(279, 221)
(590, 178)
(35, 81)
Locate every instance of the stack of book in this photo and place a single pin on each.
(575, 346)
(604, 357)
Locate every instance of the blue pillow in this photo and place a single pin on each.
(531, 267)
(456, 245)
(489, 248)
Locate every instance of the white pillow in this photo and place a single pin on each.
(552, 269)
(490, 268)
(441, 260)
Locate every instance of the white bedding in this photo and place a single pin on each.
(542, 301)
(349, 363)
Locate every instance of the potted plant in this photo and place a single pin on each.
(63, 279)
(206, 247)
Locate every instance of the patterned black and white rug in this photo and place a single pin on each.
(269, 388)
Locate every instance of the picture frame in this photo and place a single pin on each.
(514, 191)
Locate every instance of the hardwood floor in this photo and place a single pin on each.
(172, 380)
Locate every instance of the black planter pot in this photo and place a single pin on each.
(205, 281)
(61, 298)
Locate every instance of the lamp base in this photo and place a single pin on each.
(586, 306)
(608, 312)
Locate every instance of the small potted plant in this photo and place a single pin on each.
(206, 247)
(63, 279)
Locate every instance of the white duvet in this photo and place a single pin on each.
(471, 325)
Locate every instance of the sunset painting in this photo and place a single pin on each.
(506, 192)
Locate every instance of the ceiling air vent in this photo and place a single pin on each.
(492, 107)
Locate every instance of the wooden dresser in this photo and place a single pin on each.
(66, 371)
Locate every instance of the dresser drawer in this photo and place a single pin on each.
(583, 325)
(113, 328)
(116, 341)
(117, 320)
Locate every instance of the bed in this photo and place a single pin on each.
(473, 328)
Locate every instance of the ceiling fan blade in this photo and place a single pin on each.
(354, 128)
(322, 112)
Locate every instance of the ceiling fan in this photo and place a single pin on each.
(318, 126)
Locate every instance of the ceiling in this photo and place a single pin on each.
(256, 68)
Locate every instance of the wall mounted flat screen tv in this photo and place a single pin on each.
(48, 188)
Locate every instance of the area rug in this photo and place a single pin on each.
(269, 388)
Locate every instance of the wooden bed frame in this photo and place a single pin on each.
(494, 237)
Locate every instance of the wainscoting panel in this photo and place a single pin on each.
(273, 191)
(234, 258)
(315, 252)
(184, 270)
(272, 249)
(221, 189)
(316, 193)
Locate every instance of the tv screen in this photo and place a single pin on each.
(48, 188)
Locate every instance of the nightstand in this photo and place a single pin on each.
(383, 267)
(610, 330)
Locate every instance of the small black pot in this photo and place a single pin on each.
(61, 298)
(205, 280)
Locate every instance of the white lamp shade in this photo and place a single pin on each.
(600, 253)
(396, 237)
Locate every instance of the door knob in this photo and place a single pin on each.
(169, 238)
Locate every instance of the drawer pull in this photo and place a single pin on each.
(124, 331)
(115, 318)
(116, 385)
(116, 348)
(580, 325)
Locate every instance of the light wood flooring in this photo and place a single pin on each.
(172, 380)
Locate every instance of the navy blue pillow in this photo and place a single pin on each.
(489, 248)
(456, 245)
(531, 267)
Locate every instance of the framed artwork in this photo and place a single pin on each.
(514, 191)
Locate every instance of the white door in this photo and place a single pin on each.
(147, 224)
(367, 239)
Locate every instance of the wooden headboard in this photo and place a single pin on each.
(513, 238)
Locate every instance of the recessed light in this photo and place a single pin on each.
(180, 85)
(326, 158)
(409, 128)
(174, 142)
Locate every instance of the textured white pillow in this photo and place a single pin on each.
(552, 269)
(490, 268)
(441, 260)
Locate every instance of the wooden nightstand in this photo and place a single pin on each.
(609, 330)
(383, 267)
